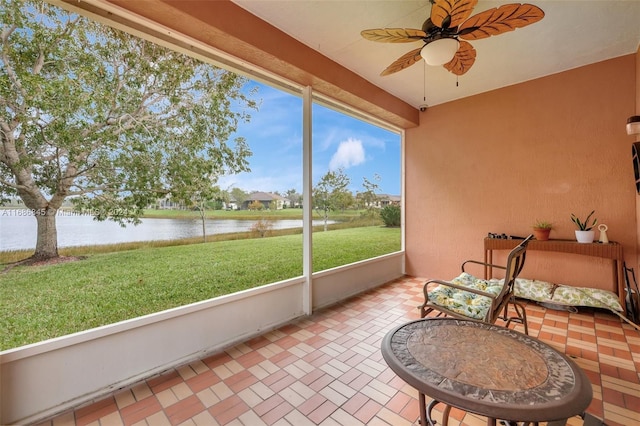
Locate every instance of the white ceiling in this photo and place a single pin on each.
(573, 33)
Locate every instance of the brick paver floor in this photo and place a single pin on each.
(327, 369)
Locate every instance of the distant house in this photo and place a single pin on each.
(288, 203)
(166, 203)
(268, 200)
(381, 201)
(232, 204)
(386, 200)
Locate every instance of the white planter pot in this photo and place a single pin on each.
(585, 236)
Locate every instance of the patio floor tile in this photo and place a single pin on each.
(328, 369)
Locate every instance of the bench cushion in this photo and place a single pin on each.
(541, 291)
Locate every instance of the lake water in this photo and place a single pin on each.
(18, 229)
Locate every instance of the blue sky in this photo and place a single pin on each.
(275, 138)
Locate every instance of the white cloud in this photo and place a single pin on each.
(349, 153)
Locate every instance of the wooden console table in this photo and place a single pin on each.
(611, 250)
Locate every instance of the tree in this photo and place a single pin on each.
(391, 215)
(255, 205)
(221, 200)
(344, 200)
(369, 197)
(293, 196)
(327, 192)
(199, 194)
(105, 119)
(239, 195)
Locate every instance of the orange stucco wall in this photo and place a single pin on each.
(542, 149)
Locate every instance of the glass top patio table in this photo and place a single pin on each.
(487, 370)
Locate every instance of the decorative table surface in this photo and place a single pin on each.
(487, 370)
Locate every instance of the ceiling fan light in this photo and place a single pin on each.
(633, 125)
(440, 52)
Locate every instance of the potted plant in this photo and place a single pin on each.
(584, 233)
(541, 230)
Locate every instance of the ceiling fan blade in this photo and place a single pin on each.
(463, 59)
(404, 61)
(499, 20)
(451, 13)
(393, 35)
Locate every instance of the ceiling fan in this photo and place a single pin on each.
(445, 33)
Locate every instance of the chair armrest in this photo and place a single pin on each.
(483, 264)
(459, 287)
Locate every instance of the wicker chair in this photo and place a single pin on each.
(468, 297)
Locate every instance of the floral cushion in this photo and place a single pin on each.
(542, 291)
(539, 291)
(582, 296)
(463, 302)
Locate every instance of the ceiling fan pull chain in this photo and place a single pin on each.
(424, 82)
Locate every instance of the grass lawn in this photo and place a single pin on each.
(38, 303)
